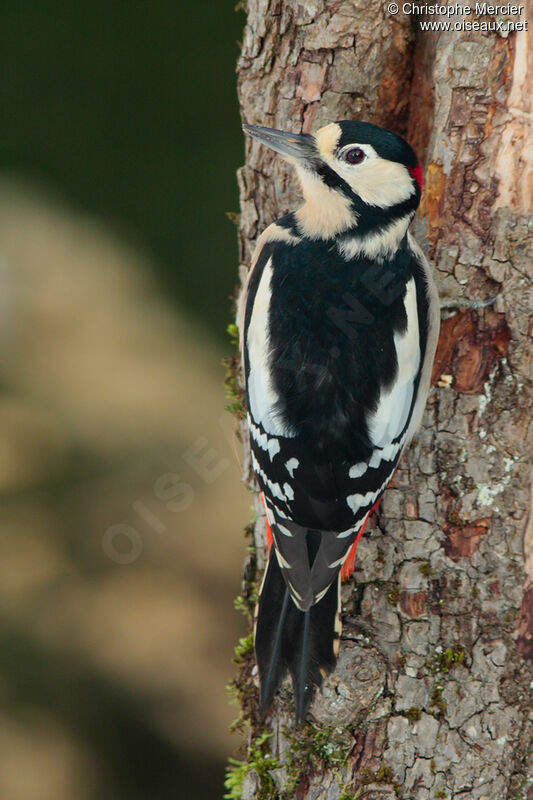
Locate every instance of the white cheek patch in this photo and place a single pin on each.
(378, 182)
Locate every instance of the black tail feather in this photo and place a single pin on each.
(286, 638)
(273, 677)
(274, 605)
(301, 688)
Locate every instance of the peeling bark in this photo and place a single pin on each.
(432, 692)
(469, 345)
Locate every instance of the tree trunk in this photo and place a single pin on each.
(431, 696)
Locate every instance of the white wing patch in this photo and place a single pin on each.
(375, 459)
(291, 465)
(262, 395)
(274, 488)
(379, 454)
(358, 469)
(288, 491)
(357, 501)
(273, 448)
(263, 440)
(390, 417)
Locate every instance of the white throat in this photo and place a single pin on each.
(326, 212)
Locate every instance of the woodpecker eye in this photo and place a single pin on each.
(354, 155)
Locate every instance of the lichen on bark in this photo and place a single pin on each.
(432, 692)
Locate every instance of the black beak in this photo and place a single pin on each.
(294, 145)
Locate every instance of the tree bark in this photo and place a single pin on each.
(431, 696)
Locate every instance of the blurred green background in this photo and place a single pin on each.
(130, 109)
(121, 508)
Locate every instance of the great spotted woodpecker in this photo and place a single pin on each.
(339, 322)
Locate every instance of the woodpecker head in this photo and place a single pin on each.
(357, 179)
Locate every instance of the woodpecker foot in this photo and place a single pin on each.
(449, 305)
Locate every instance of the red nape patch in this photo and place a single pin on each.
(416, 173)
(270, 538)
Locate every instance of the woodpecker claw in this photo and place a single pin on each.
(455, 303)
